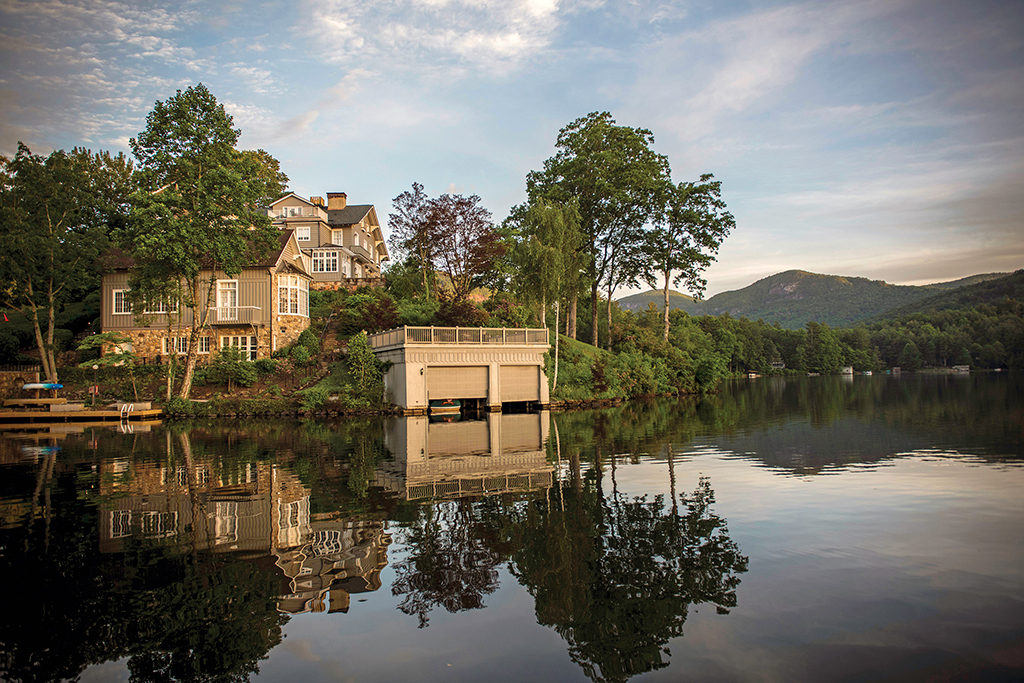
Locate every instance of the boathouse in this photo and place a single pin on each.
(487, 366)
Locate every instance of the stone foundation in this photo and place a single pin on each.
(11, 382)
(350, 283)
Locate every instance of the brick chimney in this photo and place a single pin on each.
(336, 200)
(318, 201)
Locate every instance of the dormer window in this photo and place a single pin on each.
(302, 234)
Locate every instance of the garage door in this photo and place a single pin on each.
(456, 382)
(519, 383)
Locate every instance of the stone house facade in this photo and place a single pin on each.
(343, 241)
(260, 310)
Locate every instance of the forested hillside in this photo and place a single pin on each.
(795, 297)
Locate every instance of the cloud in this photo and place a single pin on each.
(483, 34)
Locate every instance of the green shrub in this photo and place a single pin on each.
(314, 397)
(266, 366)
(231, 366)
(309, 340)
(417, 312)
(300, 355)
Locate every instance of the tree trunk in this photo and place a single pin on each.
(554, 382)
(609, 317)
(41, 343)
(50, 325)
(571, 321)
(665, 336)
(544, 312)
(593, 313)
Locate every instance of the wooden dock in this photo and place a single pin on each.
(27, 419)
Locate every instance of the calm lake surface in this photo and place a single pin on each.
(807, 529)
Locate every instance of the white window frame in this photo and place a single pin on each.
(324, 260)
(248, 345)
(161, 308)
(302, 233)
(121, 304)
(292, 295)
(338, 237)
(181, 344)
(223, 287)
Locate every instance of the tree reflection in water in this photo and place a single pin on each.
(448, 564)
(615, 577)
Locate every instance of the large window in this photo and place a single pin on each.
(325, 262)
(292, 295)
(227, 300)
(153, 308)
(247, 345)
(302, 233)
(179, 345)
(121, 304)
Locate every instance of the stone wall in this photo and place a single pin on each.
(11, 381)
(349, 283)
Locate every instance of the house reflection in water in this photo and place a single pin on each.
(439, 460)
(259, 512)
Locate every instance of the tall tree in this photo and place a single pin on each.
(464, 241)
(200, 209)
(54, 214)
(409, 235)
(686, 237)
(547, 243)
(615, 178)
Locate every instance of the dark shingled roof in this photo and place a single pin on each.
(118, 259)
(350, 215)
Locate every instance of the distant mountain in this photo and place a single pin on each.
(639, 302)
(963, 282)
(989, 291)
(795, 297)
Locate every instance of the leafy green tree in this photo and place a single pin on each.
(545, 254)
(54, 214)
(615, 179)
(121, 356)
(231, 366)
(822, 352)
(366, 370)
(199, 213)
(685, 240)
(910, 357)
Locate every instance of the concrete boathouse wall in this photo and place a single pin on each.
(490, 365)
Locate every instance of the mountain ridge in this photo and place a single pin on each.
(794, 297)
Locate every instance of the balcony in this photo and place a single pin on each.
(361, 253)
(234, 315)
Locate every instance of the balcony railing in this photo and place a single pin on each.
(234, 315)
(361, 252)
(466, 336)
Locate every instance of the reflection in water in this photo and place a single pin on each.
(613, 576)
(191, 550)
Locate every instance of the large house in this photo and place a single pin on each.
(262, 309)
(344, 241)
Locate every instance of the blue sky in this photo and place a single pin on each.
(882, 139)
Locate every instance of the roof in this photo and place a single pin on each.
(292, 194)
(118, 259)
(350, 215)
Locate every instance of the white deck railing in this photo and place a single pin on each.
(225, 315)
(468, 336)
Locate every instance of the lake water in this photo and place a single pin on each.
(808, 529)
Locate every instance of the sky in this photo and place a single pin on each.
(871, 138)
